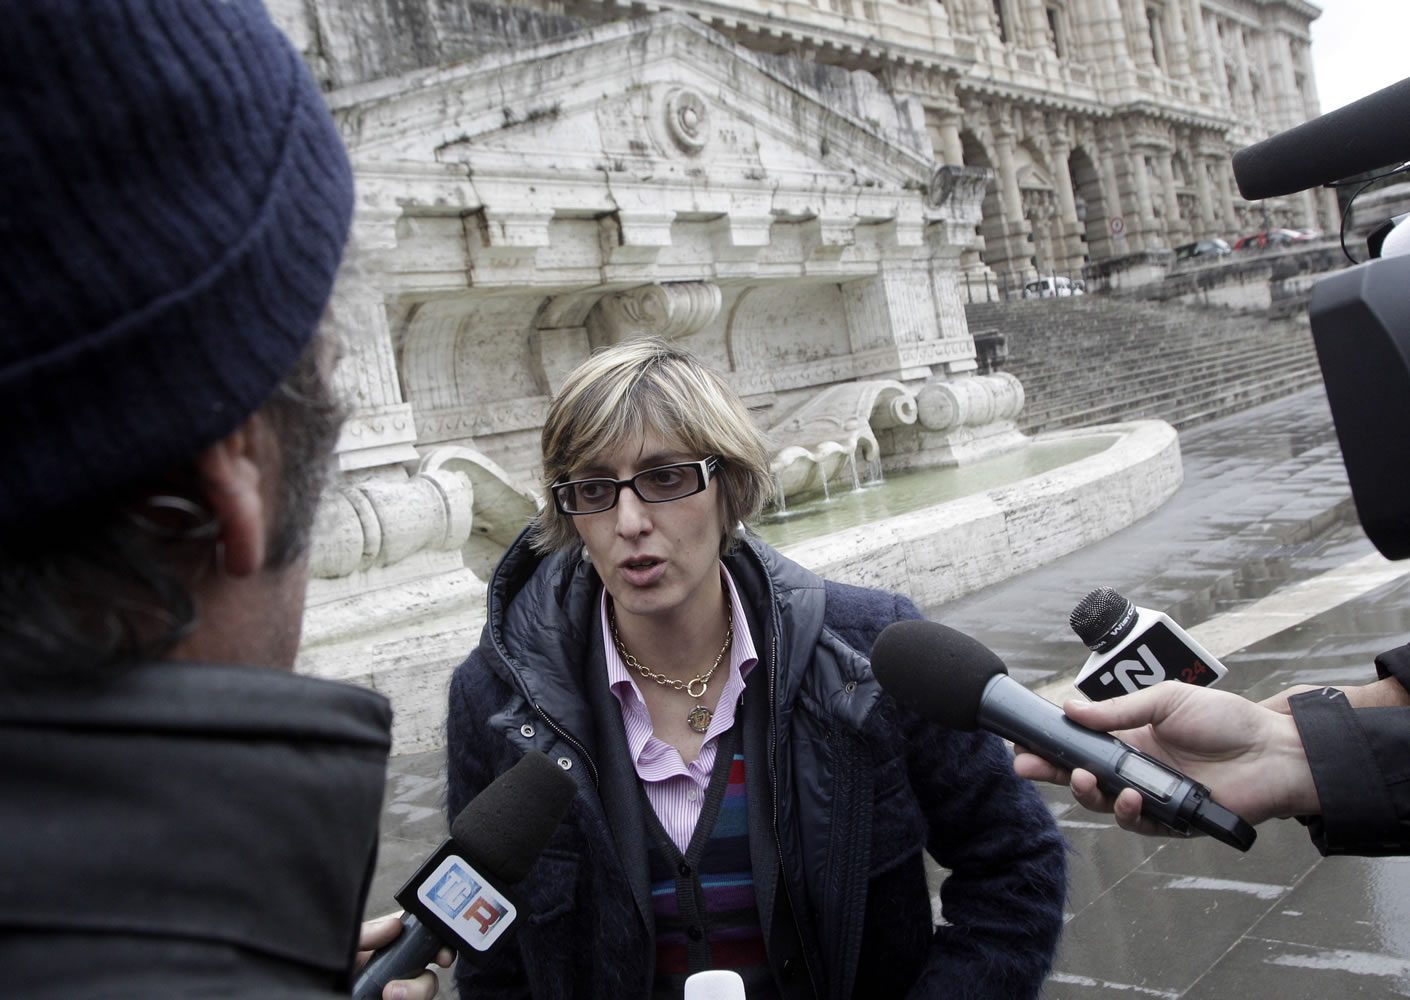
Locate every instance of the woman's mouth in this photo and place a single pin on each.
(642, 570)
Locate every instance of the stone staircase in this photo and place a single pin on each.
(1097, 360)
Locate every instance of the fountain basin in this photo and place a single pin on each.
(946, 550)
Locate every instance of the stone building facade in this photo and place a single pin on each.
(1108, 125)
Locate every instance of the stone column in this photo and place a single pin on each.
(1155, 28)
(1202, 55)
(1062, 179)
(1034, 14)
(1144, 226)
(1328, 211)
(1138, 34)
(1069, 227)
(380, 430)
(1177, 45)
(951, 151)
(1243, 98)
(1111, 196)
(1223, 172)
(1001, 16)
(1013, 253)
(1008, 174)
(1283, 93)
(1165, 167)
(1105, 45)
(1206, 197)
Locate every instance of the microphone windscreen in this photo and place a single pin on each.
(935, 671)
(1096, 615)
(504, 829)
(1365, 135)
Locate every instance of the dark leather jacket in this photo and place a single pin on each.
(187, 830)
(1360, 760)
(845, 791)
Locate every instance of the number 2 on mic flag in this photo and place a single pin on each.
(1156, 655)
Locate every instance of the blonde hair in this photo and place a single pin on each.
(644, 385)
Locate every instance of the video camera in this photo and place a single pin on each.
(1360, 316)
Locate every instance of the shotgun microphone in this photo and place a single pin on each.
(1365, 135)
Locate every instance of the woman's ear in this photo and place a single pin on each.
(230, 475)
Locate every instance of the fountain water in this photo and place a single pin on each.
(939, 533)
(821, 439)
(967, 499)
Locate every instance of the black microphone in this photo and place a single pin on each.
(1365, 135)
(953, 679)
(457, 899)
(1135, 647)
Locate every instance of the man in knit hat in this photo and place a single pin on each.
(178, 818)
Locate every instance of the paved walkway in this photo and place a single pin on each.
(1260, 555)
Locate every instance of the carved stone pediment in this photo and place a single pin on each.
(641, 125)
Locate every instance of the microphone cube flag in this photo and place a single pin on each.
(1134, 647)
(466, 902)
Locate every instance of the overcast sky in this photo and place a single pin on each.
(1358, 47)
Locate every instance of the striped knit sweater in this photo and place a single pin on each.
(706, 917)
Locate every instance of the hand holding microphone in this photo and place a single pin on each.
(949, 677)
(459, 897)
(1250, 756)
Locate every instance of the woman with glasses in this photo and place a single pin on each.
(749, 798)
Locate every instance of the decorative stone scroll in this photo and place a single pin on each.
(378, 523)
(675, 309)
(972, 401)
(833, 433)
(959, 191)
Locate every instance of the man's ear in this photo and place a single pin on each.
(230, 475)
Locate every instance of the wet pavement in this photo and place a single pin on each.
(1260, 555)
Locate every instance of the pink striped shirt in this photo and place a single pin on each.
(675, 789)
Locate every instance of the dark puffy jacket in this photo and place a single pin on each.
(846, 791)
(188, 830)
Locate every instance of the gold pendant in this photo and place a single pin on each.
(699, 718)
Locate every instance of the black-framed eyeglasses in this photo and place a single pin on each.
(658, 485)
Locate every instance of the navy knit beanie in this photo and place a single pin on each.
(174, 201)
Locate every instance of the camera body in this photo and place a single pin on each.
(1361, 327)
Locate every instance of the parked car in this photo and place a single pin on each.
(1048, 288)
(1201, 248)
(1274, 238)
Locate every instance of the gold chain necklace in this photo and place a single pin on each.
(699, 717)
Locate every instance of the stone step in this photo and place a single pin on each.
(1054, 361)
(1157, 378)
(1093, 359)
(1180, 405)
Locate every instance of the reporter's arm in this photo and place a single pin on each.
(1360, 761)
(1387, 692)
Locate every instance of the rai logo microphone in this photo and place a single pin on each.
(466, 902)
